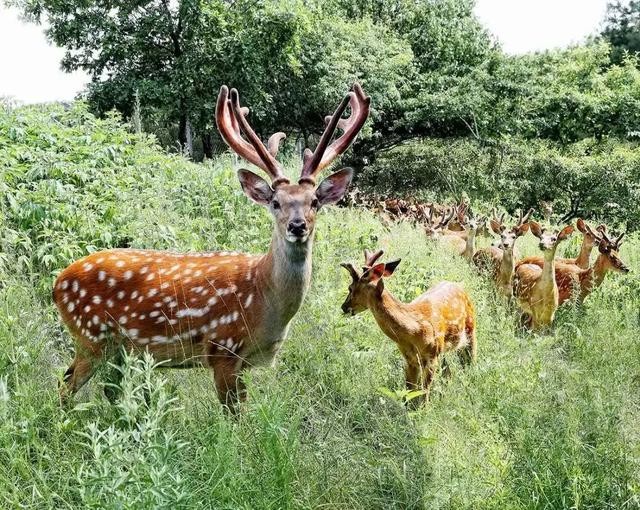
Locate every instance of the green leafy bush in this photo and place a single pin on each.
(600, 180)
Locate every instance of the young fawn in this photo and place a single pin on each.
(440, 320)
(535, 288)
(224, 310)
(574, 281)
(499, 261)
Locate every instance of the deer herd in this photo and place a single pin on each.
(230, 311)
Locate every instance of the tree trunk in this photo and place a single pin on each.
(185, 135)
(207, 145)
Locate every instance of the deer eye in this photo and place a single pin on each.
(315, 203)
(275, 204)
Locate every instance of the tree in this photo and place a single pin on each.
(622, 28)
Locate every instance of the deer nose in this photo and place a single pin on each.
(346, 308)
(297, 227)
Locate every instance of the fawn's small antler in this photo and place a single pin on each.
(314, 162)
(231, 118)
(370, 258)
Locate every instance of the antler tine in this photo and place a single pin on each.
(603, 233)
(523, 219)
(619, 240)
(230, 131)
(273, 144)
(370, 258)
(314, 162)
(270, 165)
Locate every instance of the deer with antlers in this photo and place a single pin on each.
(589, 240)
(499, 261)
(224, 310)
(575, 281)
(535, 288)
(440, 320)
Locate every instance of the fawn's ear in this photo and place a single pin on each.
(376, 272)
(536, 229)
(522, 230)
(390, 267)
(565, 232)
(255, 187)
(332, 189)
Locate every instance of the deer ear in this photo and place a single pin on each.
(522, 230)
(255, 187)
(496, 227)
(332, 189)
(565, 232)
(376, 272)
(536, 229)
(581, 226)
(390, 267)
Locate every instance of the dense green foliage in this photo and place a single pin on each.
(590, 178)
(622, 28)
(540, 422)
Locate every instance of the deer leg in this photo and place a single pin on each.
(226, 374)
(468, 353)
(114, 377)
(76, 376)
(428, 372)
(412, 377)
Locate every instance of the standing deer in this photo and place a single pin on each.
(589, 240)
(499, 261)
(440, 320)
(224, 310)
(535, 288)
(571, 278)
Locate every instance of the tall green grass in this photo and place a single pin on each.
(545, 421)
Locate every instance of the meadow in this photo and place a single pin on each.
(541, 421)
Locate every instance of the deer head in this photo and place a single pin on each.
(293, 206)
(508, 236)
(609, 249)
(549, 240)
(368, 285)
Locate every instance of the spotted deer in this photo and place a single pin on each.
(576, 282)
(535, 288)
(499, 261)
(589, 240)
(224, 310)
(440, 320)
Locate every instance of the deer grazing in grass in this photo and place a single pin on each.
(499, 261)
(535, 288)
(224, 310)
(440, 320)
(576, 282)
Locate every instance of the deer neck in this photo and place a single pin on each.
(582, 260)
(505, 271)
(391, 315)
(548, 277)
(600, 270)
(284, 275)
(470, 246)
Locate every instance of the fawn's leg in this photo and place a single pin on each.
(229, 385)
(468, 353)
(429, 368)
(76, 376)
